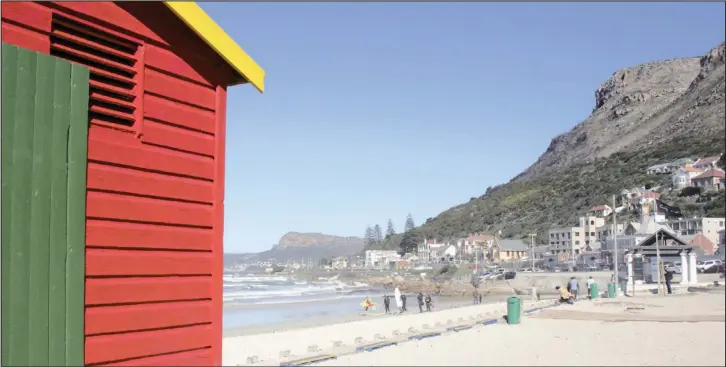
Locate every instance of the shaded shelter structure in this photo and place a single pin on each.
(663, 243)
(113, 142)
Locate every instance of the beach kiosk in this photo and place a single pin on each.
(113, 135)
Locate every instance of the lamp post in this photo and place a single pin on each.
(531, 237)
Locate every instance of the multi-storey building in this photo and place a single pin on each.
(377, 258)
(709, 227)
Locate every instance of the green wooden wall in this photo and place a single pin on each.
(44, 146)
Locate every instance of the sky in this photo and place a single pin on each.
(372, 111)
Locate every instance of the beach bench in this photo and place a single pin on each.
(309, 360)
(488, 322)
(424, 335)
(374, 346)
(460, 328)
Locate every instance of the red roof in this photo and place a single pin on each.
(711, 173)
(707, 160)
(693, 169)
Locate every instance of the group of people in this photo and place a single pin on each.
(400, 299)
(569, 294)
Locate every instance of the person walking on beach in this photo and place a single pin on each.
(403, 303)
(397, 295)
(386, 303)
(573, 287)
(668, 279)
(589, 284)
(420, 299)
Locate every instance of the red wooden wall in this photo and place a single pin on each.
(155, 176)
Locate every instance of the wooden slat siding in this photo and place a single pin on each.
(102, 349)
(102, 320)
(44, 111)
(59, 214)
(131, 181)
(178, 151)
(114, 262)
(147, 236)
(9, 100)
(217, 274)
(164, 110)
(77, 197)
(199, 357)
(110, 291)
(162, 84)
(110, 146)
(40, 209)
(138, 209)
(177, 138)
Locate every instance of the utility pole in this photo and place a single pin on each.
(531, 237)
(615, 245)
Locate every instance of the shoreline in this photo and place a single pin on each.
(440, 304)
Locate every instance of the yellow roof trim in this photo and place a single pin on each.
(196, 19)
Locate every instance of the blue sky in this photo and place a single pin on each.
(375, 110)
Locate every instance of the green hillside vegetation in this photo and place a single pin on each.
(559, 197)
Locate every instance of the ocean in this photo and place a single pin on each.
(259, 300)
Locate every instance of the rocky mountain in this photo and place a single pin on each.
(643, 105)
(643, 115)
(315, 246)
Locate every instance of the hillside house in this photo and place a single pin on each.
(707, 162)
(682, 177)
(513, 250)
(701, 243)
(712, 179)
(339, 263)
(601, 210)
(476, 242)
(660, 169)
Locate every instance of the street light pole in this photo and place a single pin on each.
(531, 237)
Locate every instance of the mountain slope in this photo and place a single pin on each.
(643, 105)
(644, 115)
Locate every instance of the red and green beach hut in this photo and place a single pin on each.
(113, 136)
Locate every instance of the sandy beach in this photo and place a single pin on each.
(686, 329)
(683, 329)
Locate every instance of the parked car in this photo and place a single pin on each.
(715, 269)
(510, 275)
(674, 267)
(703, 266)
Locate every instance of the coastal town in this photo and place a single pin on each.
(588, 244)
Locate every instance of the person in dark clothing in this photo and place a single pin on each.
(403, 303)
(668, 279)
(386, 303)
(428, 302)
(420, 299)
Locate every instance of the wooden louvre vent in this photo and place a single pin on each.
(112, 63)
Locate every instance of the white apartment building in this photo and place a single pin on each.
(580, 237)
(709, 227)
(377, 258)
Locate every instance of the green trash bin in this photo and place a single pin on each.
(611, 290)
(513, 310)
(594, 292)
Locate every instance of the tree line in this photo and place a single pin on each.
(374, 237)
